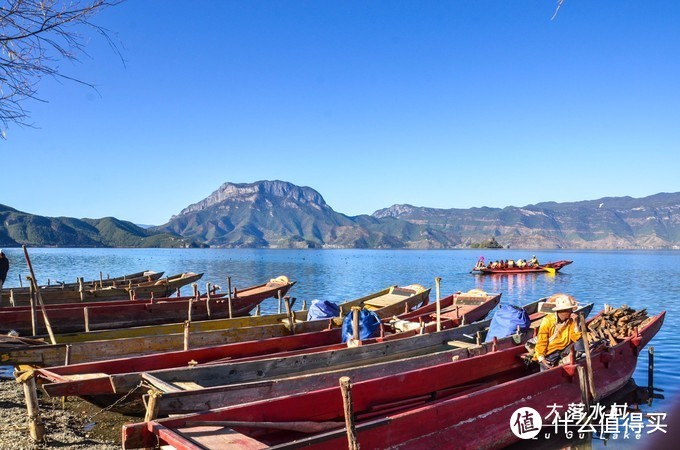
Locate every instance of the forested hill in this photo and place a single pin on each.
(18, 228)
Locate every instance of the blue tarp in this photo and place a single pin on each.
(369, 325)
(505, 321)
(322, 309)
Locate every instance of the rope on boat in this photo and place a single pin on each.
(112, 405)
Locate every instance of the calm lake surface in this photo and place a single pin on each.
(640, 279)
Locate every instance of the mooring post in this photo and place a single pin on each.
(36, 427)
(187, 327)
(191, 302)
(207, 299)
(346, 388)
(437, 282)
(152, 406)
(257, 310)
(229, 297)
(290, 314)
(355, 322)
(86, 316)
(278, 294)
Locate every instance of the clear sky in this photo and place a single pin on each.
(448, 104)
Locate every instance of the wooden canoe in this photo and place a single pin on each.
(132, 313)
(20, 295)
(98, 389)
(296, 344)
(108, 344)
(136, 277)
(163, 287)
(448, 404)
(550, 267)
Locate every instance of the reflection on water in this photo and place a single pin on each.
(643, 279)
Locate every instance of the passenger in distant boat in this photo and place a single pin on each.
(521, 263)
(480, 263)
(4, 268)
(511, 263)
(533, 262)
(557, 332)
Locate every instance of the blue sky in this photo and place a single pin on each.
(448, 104)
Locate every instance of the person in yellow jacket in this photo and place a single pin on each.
(556, 332)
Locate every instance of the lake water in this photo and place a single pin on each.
(640, 279)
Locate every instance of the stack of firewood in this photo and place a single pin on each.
(617, 323)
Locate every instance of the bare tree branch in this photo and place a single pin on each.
(559, 5)
(35, 35)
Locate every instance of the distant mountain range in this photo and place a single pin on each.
(278, 214)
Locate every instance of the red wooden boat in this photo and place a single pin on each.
(106, 380)
(163, 287)
(128, 342)
(446, 404)
(550, 267)
(131, 313)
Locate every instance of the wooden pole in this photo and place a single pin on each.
(207, 299)
(187, 327)
(589, 362)
(290, 314)
(650, 373)
(191, 304)
(257, 310)
(86, 315)
(437, 282)
(152, 406)
(67, 359)
(278, 295)
(80, 289)
(21, 284)
(583, 384)
(346, 388)
(229, 295)
(36, 427)
(101, 280)
(42, 306)
(32, 301)
(355, 322)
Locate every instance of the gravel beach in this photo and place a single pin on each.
(73, 425)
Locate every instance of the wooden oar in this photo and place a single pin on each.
(589, 362)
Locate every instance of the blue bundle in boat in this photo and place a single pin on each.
(369, 325)
(322, 309)
(505, 322)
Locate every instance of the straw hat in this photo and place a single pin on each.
(564, 302)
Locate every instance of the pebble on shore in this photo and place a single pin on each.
(64, 427)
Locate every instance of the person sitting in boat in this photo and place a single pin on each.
(533, 262)
(511, 263)
(480, 263)
(557, 332)
(521, 263)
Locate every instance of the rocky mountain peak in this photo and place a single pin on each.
(394, 211)
(258, 191)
